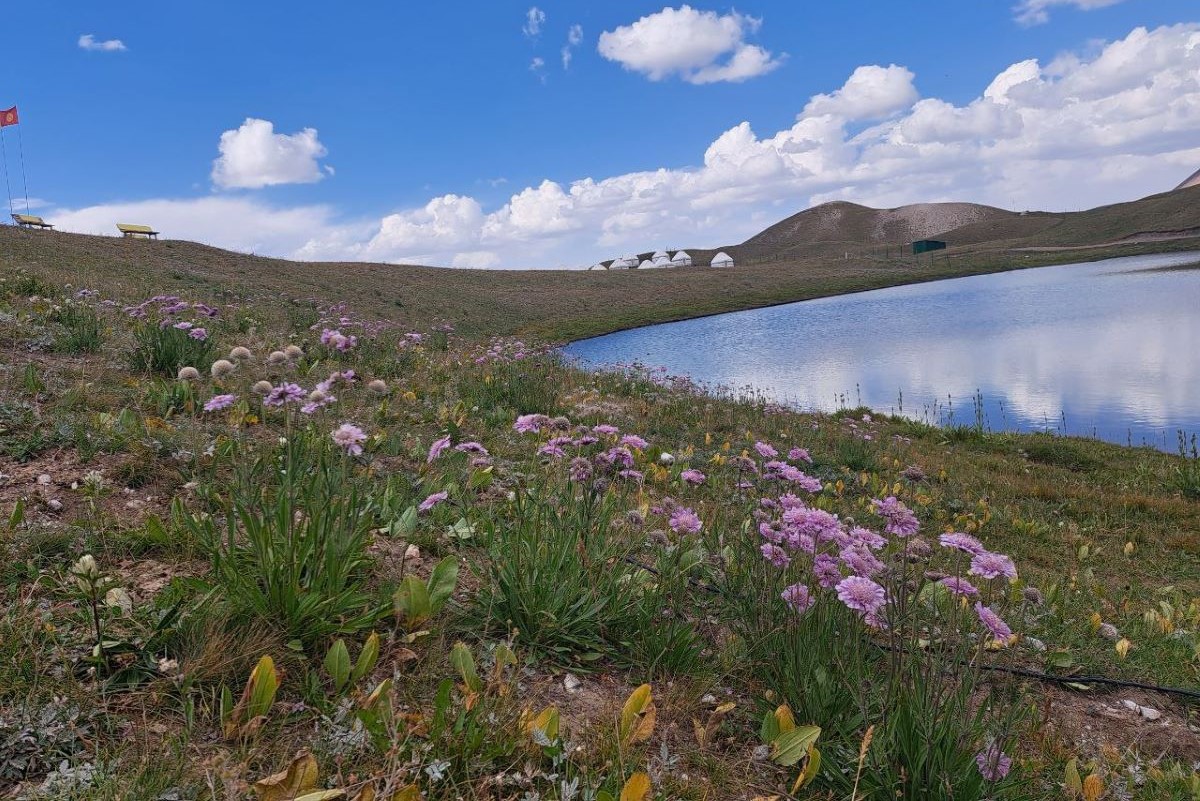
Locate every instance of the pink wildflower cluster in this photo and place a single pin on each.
(169, 309)
(333, 338)
(504, 351)
(899, 518)
(609, 454)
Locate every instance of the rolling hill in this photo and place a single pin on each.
(831, 249)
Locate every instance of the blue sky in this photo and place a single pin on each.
(427, 132)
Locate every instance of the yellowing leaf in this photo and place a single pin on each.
(298, 777)
(792, 746)
(408, 793)
(785, 718)
(637, 788)
(320, 795)
(637, 716)
(1093, 788)
(1123, 645)
(811, 767)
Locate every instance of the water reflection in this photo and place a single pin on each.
(1108, 349)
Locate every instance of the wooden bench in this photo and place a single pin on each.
(30, 221)
(129, 231)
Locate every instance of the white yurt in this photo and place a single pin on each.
(623, 263)
(681, 259)
(647, 265)
(598, 266)
(660, 258)
(722, 259)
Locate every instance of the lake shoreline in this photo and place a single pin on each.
(1064, 348)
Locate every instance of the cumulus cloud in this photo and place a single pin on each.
(698, 46)
(253, 156)
(89, 42)
(535, 18)
(1081, 130)
(1037, 12)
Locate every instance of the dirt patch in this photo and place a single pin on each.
(1092, 722)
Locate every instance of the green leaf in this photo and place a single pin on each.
(442, 582)
(792, 746)
(337, 665)
(404, 525)
(411, 602)
(18, 515)
(366, 658)
(770, 730)
(464, 663)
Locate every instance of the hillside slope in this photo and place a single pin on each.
(809, 255)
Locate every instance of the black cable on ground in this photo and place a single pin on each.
(1037, 675)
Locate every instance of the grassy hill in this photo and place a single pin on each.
(831, 249)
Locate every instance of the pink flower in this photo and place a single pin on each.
(765, 450)
(959, 586)
(284, 393)
(992, 622)
(200, 334)
(218, 402)
(634, 441)
(993, 763)
(432, 501)
(349, 438)
(990, 565)
(799, 455)
(826, 570)
(900, 519)
(605, 429)
(797, 597)
(775, 555)
(685, 520)
(693, 476)
(471, 447)
(861, 594)
(962, 542)
(435, 450)
(527, 423)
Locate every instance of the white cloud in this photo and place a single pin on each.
(1079, 131)
(89, 42)
(574, 37)
(254, 156)
(236, 223)
(1037, 12)
(535, 18)
(870, 93)
(698, 46)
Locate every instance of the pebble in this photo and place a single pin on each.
(412, 552)
(54, 505)
(571, 683)
(44, 479)
(1149, 713)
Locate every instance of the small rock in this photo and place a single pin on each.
(54, 505)
(412, 552)
(709, 699)
(45, 480)
(761, 752)
(1109, 632)
(1035, 643)
(1149, 713)
(571, 683)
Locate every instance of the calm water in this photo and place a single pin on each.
(1108, 349)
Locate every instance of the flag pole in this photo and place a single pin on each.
(4, 152)
(21, 150)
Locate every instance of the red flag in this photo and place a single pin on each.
(8, 117)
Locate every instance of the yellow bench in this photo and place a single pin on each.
(30, 221)
(129, 231)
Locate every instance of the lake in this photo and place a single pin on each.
(1108, 349)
